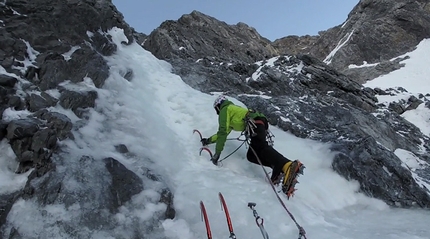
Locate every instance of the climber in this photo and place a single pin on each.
(255, 126)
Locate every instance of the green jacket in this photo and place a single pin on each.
(231, 117)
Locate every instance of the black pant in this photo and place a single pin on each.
(268, 156)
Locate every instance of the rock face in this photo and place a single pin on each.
(197, 35)
(376, 32)
(36, 53)
(303, 95)
(50, 50)
(293, 45)
(196, 41)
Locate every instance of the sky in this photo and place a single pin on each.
(325, 204)
(272, 19)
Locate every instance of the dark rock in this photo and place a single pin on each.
(121, 148)
(44, 100)
(32, 74)
(140, 38)
(128, 75)
(19, 147)
(43, 139)
(26, 156)
(379, 91)
(413, 103)
(92, 17)
(149, 174)
(103, 44)
(16, 102)
(84, 62)
(167, 198)
(57, 121)
(76, 100)
(21, 128)
(6, 93)
(294, 45)
(125, 183)
(3, 131)
(6, 203)
(7, 81)
(397, 107)
(14, 234)
(24, 167)
(31, 142)
(393, 180)
(51, 70)
(7, 62)
(243, 69)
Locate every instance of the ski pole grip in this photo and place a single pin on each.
(251, 204)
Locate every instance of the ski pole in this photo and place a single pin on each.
(258, 220)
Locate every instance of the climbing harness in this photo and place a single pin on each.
(251, 125)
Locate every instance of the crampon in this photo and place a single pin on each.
(289, 183)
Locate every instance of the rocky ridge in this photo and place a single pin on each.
(372, 40)
(376, 34)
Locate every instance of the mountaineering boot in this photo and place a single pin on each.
(291, 171)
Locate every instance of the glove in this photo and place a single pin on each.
(215, 158)
(205, 141)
